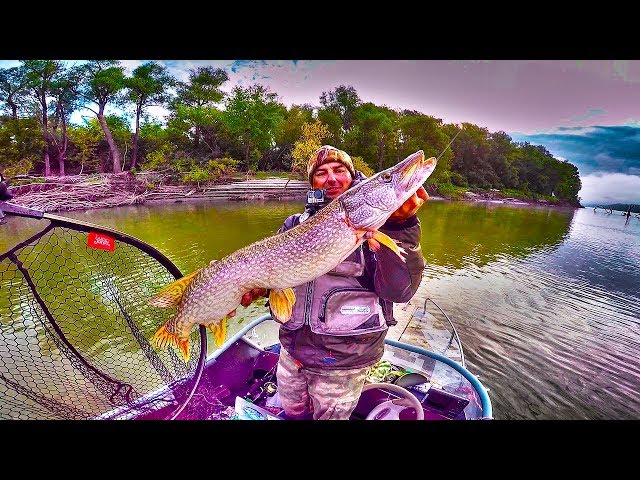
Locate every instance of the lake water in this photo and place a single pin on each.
(546, 301)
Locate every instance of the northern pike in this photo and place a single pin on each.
(290, 258)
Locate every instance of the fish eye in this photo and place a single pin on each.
(386, 177)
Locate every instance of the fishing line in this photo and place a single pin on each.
(449, 144)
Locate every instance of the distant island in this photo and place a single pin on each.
(622, 207)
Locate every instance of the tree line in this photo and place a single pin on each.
(208, 132)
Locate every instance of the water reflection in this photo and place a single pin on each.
(545, 300)
(454, 235)
(458, 235)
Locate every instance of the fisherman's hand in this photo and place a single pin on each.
(410, 207)
(252, 295)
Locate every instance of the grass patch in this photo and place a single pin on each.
(451, 191)
(509, 192)
(261, 175)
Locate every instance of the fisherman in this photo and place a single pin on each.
(4, 191)
(4, 196)
(321, 375)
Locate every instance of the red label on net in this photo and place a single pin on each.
(101, 241)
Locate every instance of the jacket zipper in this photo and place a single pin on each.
(308, 303)
(327, 295)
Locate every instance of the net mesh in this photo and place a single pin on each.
(75, 329)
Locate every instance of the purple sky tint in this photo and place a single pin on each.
(514, 96)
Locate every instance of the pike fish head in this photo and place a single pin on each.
(371, 202)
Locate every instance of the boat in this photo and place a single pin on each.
(75, 330)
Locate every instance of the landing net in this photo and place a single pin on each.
(75, 329)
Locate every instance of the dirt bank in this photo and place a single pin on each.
(498, 197)
(81, 192)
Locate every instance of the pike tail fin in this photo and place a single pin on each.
(163, 337)
(281, 302)
(171, 295)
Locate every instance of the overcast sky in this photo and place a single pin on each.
(586, 112)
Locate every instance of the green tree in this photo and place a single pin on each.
(195, 104)
(85, 143)
(342, 100)
(193, 127)
(501, 154)
(290, 131)
(147, 87)
(95, 153)
(376, 126)
(154, 138)
(64, 90)
(102, 84)
(569, 183)
(310, 140)
(333, 121)
(40, 75)
(21, 144)
(417, 131)
(472, 149)
(253, 116)
(13, 88)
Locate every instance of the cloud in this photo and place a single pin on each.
(611, 149)
(608, 188)
(9, 63)
(593, 112)
(131, 65)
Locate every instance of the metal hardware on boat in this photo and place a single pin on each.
(271, 388)
(453, 328)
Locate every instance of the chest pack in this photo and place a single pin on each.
(336, 304)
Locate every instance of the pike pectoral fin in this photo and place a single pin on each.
(171, 295)
(219, 331)
(380, 238)
(163, 337)
(281, 302)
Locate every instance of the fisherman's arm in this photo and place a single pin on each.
(394, 279)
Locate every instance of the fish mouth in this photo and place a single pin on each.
(416, 170)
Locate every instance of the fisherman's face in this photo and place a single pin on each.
(334, 177)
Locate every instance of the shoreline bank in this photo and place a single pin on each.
(110, 191)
